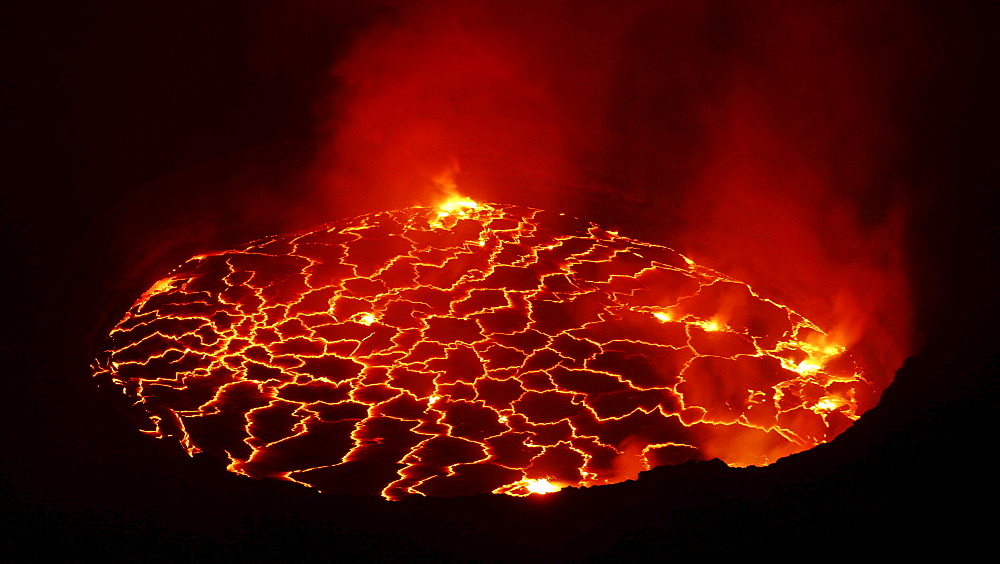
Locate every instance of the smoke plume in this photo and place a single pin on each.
(757, 137)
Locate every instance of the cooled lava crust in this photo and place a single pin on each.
(471, 348)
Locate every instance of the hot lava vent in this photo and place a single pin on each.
(472, 348)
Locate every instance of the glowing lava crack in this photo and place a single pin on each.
(471, 348)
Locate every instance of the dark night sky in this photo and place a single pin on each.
(143, 133)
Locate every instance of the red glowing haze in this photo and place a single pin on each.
(756, 137)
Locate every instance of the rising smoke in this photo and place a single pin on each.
(760, 138)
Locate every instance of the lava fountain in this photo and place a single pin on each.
(468, 348)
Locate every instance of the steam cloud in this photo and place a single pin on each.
(757, 137)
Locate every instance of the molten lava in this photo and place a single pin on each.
(472, 348)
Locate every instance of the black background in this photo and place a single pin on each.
(133, 125)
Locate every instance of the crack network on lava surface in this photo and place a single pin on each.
(471, 348)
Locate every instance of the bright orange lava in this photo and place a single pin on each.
(472, 348)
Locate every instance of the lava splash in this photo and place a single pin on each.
(469, 348)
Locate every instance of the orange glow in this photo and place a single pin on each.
(366, 318)
(470, 348)
(458, 206)
(527, 487)
(708, 325)
(541, 486)
(455, 206)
